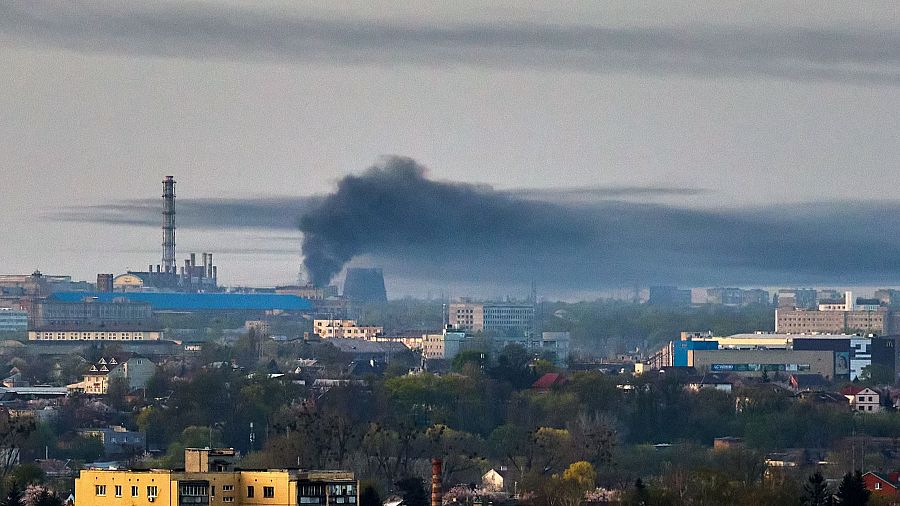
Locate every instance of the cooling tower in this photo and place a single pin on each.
(364, 285)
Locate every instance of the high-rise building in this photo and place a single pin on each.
(13, 320)
(669, 296)
(493, 318)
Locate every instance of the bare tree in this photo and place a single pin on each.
(13, 432)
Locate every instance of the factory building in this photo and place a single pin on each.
(191, 277)
(309, 291)
(756, 362)
(90, 319)
(181, 301)
(849, 354)
(90, 312)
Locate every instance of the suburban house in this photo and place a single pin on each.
(496, 480)
(548, 381)
(718, 382)
(117, 440)
(136, 370)
(883, 484)
(862, 399)
(808, 382)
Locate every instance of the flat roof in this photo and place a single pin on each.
(183, 301)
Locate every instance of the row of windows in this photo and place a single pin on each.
(89, 335)
(100, 490)
(200, 490)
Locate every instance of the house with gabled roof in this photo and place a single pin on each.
(548, 381)
(135, 369)
(883, 484)
(862, 399)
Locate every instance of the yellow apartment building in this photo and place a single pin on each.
(210, 479)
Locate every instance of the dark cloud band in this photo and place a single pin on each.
(203, 31)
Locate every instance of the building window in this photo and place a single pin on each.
(227, 488)
(100, 490)
(250, 491)
(134, 491)
(152, 491)
(228, 498)
(118, 490)
(268, 492)
(212, 491)
(877, 485)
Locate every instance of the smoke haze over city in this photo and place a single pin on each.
(602, 146)
(393, 214)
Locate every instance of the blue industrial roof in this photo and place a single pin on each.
(179, 301)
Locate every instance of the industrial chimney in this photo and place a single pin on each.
(168, 259)
(437, 468)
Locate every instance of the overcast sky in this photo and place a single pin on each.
(731, 105)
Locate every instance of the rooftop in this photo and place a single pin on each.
(180, 301)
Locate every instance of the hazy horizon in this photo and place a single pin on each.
(739, 131)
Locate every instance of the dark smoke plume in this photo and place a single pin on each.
(440, 230)
(393, 208)
(421, 230)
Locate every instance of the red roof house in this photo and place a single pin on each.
(883, 484)
(548, 381)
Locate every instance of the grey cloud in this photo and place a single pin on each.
(595, 193)
(202, 31)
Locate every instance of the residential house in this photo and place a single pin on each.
(885, 485)
(728, 443)
(709, 382)
(549, 381)
(808, 382)
(136, 370)
(862, 399)
(117, 440)
(496, 480)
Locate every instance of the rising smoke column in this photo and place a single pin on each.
(394, 208)
(461, 232)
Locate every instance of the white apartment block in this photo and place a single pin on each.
(347, 329)
(494, 317)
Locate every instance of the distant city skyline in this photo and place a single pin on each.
(673, 105)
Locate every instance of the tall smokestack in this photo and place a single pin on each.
(168, 259)
(209, 268)
(437, 468)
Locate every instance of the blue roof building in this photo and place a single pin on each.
(181, 301)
